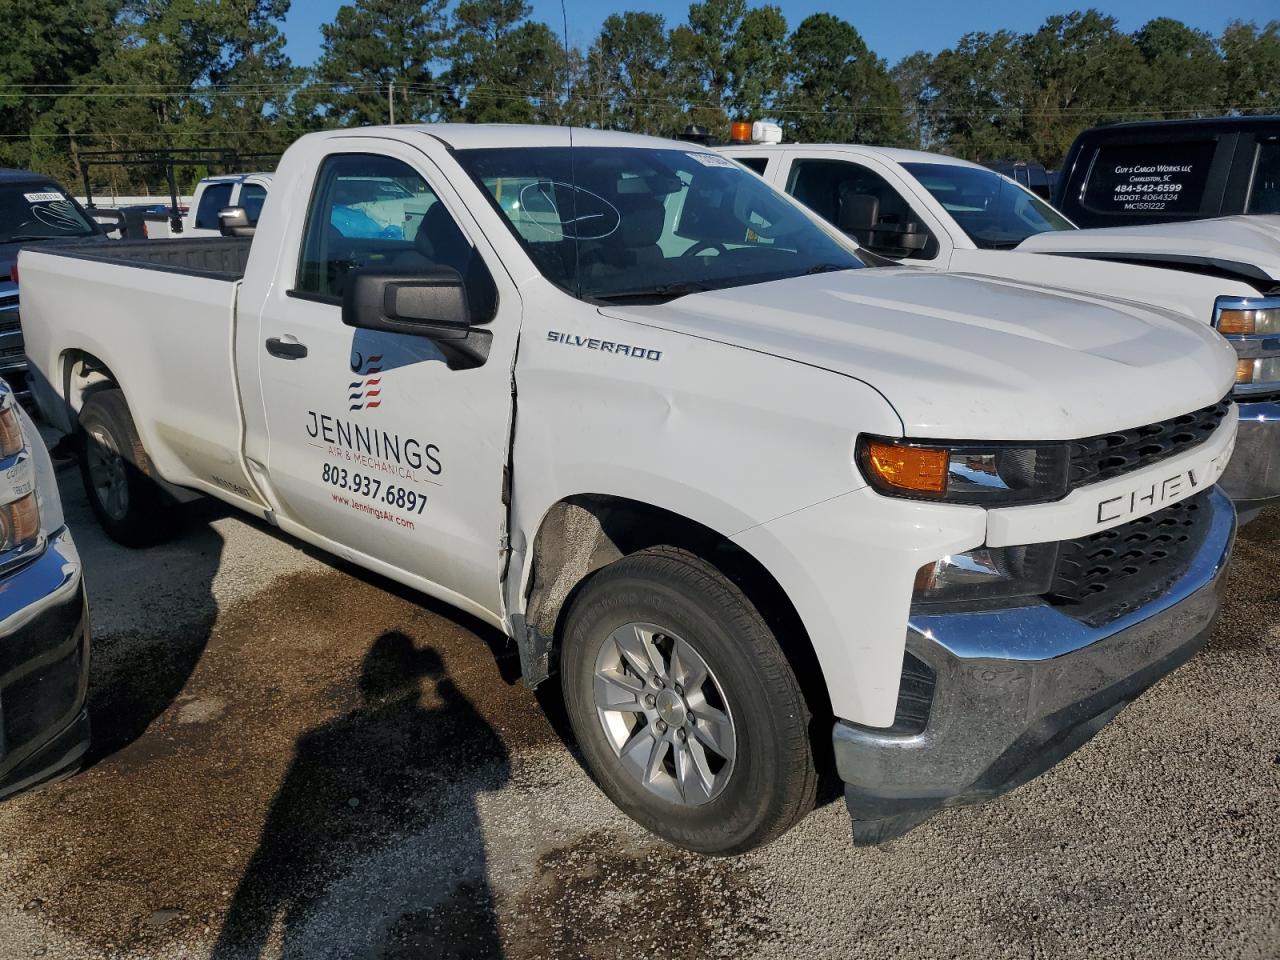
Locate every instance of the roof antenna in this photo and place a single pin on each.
(573, 179)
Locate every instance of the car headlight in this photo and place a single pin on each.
(1236, 318)
(988, 573)
(19, 523)
(988, 474)
(11, 441)
(1252, 326)
(19, 480)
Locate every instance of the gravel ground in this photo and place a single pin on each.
(295, 759)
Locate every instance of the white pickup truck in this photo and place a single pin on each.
(947, 214)
(762, 507)
(213, 194)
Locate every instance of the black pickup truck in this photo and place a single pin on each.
(1162, 170)
(33, 209)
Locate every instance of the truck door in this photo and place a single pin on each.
(865, 205)
(390, 445)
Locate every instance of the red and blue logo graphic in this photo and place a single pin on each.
(366, 393)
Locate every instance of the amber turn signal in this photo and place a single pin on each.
(11, 441)
(915, 469)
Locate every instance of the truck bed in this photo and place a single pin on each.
(159, 315)
(217, 258)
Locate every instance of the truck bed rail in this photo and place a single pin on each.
(217, 258)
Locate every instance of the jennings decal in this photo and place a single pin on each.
(383, 451)
(366, 393)
(604, 346)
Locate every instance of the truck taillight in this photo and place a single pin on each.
(13, 272)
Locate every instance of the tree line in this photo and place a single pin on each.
(85, 75)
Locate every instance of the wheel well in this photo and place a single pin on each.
(83, 374)
(582, 534)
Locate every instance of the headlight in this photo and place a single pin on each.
(19, 523)
(1235, 319)
(1252, 326)
(11, 442)
(985, 474)
(988, 573)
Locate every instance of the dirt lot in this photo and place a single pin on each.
(296, 759)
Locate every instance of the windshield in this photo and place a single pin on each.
(40, 210)
(614, 223)
(994, 213)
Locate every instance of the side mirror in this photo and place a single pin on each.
(912, 238)
(857, 213)
(235, 222)
(431, 303)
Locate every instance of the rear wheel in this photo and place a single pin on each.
(132, 507)
(684, 705)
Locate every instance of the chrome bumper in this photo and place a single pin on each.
(44, 668)
(1252, 479)
(1017, 690)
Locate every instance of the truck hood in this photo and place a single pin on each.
(961, 357)
(1245, 245)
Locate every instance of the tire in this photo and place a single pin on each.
(133, 508)
(670, 601)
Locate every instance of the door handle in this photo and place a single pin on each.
(286, 349)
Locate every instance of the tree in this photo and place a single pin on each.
(253, 80)
(1184, 73)
(376, 49)
(838, 90)
(728, 62)
(627, 84)
(506, 68)
(1078, 70)
(757, 62)
(911, 75)
(1251, 68)
(53, 45)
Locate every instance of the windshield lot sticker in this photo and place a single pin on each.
(712, 160)
(604, 346)
(42, 197)
(57, 213)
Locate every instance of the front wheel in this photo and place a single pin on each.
(685, 707)
(131, 506)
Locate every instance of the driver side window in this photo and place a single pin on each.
(863, 205)
(369, 210)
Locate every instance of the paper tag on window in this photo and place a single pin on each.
(42, 197)
(711, 160)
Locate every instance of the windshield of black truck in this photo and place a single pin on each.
(994, 213)
(39, 210)
(634, 224)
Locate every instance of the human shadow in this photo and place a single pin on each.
(341, 868)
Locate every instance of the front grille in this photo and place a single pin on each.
(1103, 576)
(9, 302)
(1101, 458)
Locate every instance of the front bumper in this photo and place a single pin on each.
(1252, 478)
(44, 668)
(1014, 691)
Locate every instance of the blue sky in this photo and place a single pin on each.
(892, 29)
